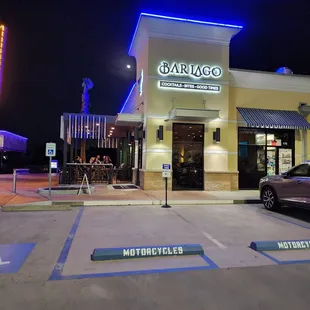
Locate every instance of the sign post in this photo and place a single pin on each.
(50, 151)
(166, 173)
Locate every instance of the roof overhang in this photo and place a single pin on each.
(124, 119)
(10, 142)
(198, 115)
(159, 26)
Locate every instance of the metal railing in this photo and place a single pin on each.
(17, 172)
(73, 173)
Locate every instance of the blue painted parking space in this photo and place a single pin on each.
(285, 262)
(89, 253)
(58, 269)
(283, 252)
(13, 256)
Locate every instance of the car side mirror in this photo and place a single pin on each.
(285, 175)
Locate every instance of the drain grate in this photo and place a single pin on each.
(125, 187)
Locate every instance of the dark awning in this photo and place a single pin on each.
(273, 118)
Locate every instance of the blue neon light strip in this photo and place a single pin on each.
(181, 20)
(131, 90)
(192, 21)
(7, 133)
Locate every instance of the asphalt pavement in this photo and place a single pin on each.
(40, 244)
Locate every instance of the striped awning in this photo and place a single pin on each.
(281, 119)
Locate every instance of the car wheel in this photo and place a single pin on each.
(269, 199)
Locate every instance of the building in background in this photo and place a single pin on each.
(3, 38)
(219, 128)
(12, 151)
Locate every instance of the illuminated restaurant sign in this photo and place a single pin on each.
(3, 34)
(189, 86)
(189, 70)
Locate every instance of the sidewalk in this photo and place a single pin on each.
(107, 195)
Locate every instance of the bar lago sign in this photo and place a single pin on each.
(145, 252)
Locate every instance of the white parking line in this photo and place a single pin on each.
(219, 244)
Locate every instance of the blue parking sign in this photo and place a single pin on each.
(166, 167)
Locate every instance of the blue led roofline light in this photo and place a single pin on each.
(131, 90)
(192, 21)
(12, 134)
(181, 20)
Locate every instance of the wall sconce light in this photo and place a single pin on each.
(217, 135)
(160, 133)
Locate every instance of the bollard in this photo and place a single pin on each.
(14, 182)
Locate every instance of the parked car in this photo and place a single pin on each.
(291, 188)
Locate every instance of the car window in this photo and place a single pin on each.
(300, 171)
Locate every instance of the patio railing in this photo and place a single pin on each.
(96, 173)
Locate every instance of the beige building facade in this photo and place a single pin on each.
(218, 128)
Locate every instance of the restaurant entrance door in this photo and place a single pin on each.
(187, 157)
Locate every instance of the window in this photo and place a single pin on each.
(280, 137)
(252, 136)
(300, 171)
(271, 137)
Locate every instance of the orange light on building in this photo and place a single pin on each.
(3, 37)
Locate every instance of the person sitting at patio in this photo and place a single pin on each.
(107, 160)
(98, 161)
(109, 168)
(78, 160)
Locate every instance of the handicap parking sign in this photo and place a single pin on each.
(50, 149)
(13, 256)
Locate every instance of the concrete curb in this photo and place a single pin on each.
(104, 254)
(280, 245)
(58, 205)
(32, 208)
(99, 203)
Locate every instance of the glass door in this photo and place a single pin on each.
(279, 160)
(187, 157)
(271, 161)
(285, 160)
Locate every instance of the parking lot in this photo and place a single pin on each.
(50, 252)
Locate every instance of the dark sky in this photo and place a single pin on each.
(52, 45)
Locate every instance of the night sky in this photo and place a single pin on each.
(52, 45)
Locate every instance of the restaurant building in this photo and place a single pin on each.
(219, 128)
(12, 151)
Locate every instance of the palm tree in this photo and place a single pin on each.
(86, 85)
